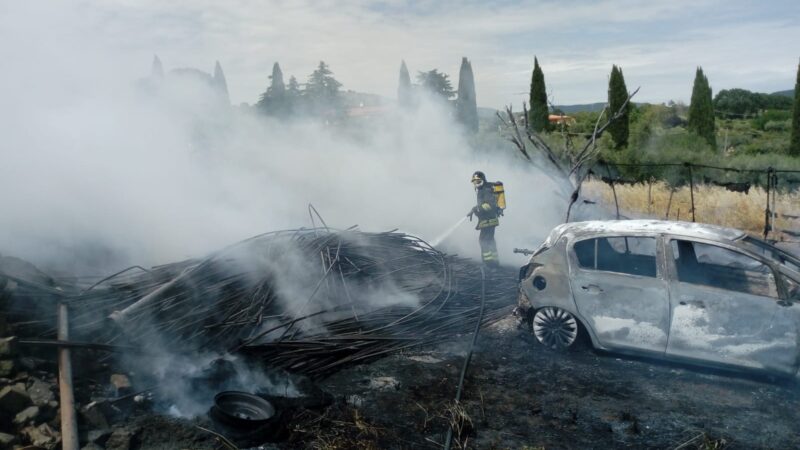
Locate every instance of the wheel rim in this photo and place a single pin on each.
(555, 328)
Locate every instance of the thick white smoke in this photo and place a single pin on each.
(96, 174)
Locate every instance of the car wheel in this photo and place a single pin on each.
(555, 328)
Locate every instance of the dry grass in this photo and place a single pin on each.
(336, 430)
(461, 423)
(702, 441)
(713, 204)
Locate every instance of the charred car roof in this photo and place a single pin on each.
(686, 229)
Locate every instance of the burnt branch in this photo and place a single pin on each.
(590, 149)
(515, 138)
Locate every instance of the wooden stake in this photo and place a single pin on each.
(691, 188)
(69, 424)
(669, 203)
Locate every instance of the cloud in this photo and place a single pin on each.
(363, 41)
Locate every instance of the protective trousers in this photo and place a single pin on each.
(488, 247)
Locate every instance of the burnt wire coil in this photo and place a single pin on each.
(309, 300)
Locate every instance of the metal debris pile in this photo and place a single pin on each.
(309, 301)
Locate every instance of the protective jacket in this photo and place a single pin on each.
(486, 210)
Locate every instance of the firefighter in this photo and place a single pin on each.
(488, 218)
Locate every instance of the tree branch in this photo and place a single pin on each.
(588, 150)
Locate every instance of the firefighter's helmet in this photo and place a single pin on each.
(478, 178)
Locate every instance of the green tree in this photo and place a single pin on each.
(466, 104)
(437, 83)
(741, 103)
(736, 103)
(293, 88)
(294, 96)
(322, 90)
(539, 113)
(273, 100)
(794, 143)
(617, 95)
(701, 110)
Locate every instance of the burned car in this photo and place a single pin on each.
(682, 291)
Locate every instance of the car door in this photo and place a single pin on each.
(726, 308)
(620, 291)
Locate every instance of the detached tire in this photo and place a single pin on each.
(556, 329)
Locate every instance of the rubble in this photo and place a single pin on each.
(94, 415)
(8, 351)
(14, 399)
(41, 392)
(120, 439)
(8, 347)
(122, 385)
(7, 367)
(98, 437)
(92, 446)
(26, 416)
(7, 440)
(42, 436)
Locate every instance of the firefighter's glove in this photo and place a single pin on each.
(472, 212)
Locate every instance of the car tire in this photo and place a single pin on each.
(556, 329)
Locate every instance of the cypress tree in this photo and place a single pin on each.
(617, 94)
(701, 109)
(538, 115)
(294, 96)
(321, 94)
(220, 84)
(158, 70)
(404, 87)
(466, 104)
(436, 83)
(273, 100)
(794, 144)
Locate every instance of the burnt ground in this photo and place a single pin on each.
(519, 395)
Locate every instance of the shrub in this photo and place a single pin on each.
(770, 116)
(777, 125)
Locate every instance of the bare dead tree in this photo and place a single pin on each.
(554, 169)
(578, 163)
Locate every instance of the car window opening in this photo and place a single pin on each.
(628, 255)
(768, 250)
(718, 267)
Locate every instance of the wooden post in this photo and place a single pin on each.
(773, 222)
(767, 209)
(669, 202)
(691, 188)
(69, 424)
(614, 190)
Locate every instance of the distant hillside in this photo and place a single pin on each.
(786, 93)
(486, 113)
(587, 107)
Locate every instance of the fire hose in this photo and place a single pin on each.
(449, 440)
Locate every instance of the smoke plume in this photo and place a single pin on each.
(99, 172)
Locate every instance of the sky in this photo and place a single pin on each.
(658, 44)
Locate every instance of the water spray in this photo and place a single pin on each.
(447, 233)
